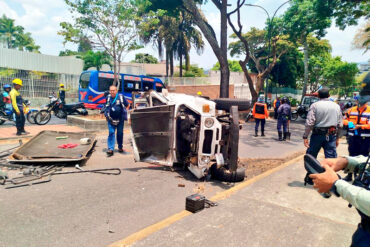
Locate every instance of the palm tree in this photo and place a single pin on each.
(9, 31)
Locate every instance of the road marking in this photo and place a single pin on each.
(131, 239)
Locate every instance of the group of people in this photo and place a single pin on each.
(324, 121)
(13, 101)
(283, 114)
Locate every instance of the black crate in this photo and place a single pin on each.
(195, 203)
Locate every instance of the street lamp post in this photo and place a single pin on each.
(270, 21)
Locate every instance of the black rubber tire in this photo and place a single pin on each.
(2, 114)
(225, 175)
(31, 117)
(249, 117)
(42, 117)
(233, 142)
(294, 116)
(225, 104)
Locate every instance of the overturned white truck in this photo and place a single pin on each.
(170, 128)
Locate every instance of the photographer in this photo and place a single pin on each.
(357, 194)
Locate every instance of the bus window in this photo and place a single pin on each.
(105, 83)
(158, 87)
(85, 80)
(147, 85)
(131, 86)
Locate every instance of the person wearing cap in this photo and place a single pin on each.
(284, 117)
(18, 106)
(357, 121)
(6, 97)
(62, 93)
(260, 114)
(324, 119)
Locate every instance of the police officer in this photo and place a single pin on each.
(324, 118)
(18, 106)
(115, 113)
(260, 114)
(276, 106)
(284, 117)
(357, 120)
(62, 93)
(357, 194)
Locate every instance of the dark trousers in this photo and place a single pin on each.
(275, 113)
(258, 121)
(19, 122)
(284, 123)
(360, 238)
(358, 145)
(322, 141)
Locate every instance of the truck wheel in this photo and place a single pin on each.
(225, 175)
(225, 104)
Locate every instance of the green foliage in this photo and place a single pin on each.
(144, 58)
(15, 37)
(95, 59)
(68, 53)
(234, 66)
(194, 71)
(340, 75)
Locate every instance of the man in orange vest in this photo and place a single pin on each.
(357, 120)
(260, 114)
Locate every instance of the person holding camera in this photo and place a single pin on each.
(357, 194)
(115, 113)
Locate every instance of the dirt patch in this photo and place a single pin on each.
(94, 117)
(255, 167)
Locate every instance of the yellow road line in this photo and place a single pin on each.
(176, 217)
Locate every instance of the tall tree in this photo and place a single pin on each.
(362, 37)
(95, 59)
(109, 26)
(193, 7)
(15, 37)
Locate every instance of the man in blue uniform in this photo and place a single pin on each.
(116, 113)
(284, 117)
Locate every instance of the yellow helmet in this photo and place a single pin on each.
(18, 81)
(199, 93)
(61, 85)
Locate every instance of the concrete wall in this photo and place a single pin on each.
(212, 91)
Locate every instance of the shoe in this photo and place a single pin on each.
(121, 150)
(25, 133)
(110, 153)
(19, 133)
(284, 136)
(280, 136)
(263, 133)
(256, 134)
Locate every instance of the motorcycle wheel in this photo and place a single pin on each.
(61, 114)
(248, 118)
(294, 116)
(31, 117)
(303, 115)
(2, 115)
(42, 117)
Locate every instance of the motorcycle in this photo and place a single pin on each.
(301, 111)
(249, 116)
(7, 115)
(60, 110)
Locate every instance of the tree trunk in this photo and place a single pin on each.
(171, 63)
(167, 64)
(180, 55)
(187, 61)
(225, 72)
(305, 51)
(254, 94)
(209, 34)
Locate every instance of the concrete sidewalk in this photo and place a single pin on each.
(272, 210)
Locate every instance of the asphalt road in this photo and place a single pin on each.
(53, 120)
(96, 210)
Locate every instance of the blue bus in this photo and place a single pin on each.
(93, 84)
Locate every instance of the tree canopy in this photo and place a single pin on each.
(144, 58)
(15, 37)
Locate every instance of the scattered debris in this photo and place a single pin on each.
(61, 137)
(181, 185)
(68, 145)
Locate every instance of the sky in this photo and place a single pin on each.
(42, 18)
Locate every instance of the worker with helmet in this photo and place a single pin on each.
(284, 116)
(18, 106)
(62, 93)
(260, 114)
(6, 97)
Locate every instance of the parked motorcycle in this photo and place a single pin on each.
(60, 110)
(7, 115)
(249, 116)
(301, 111)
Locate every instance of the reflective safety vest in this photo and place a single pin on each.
(358, 116)
(260, 111)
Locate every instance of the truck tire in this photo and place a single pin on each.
(225, 175)
(225, 104)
